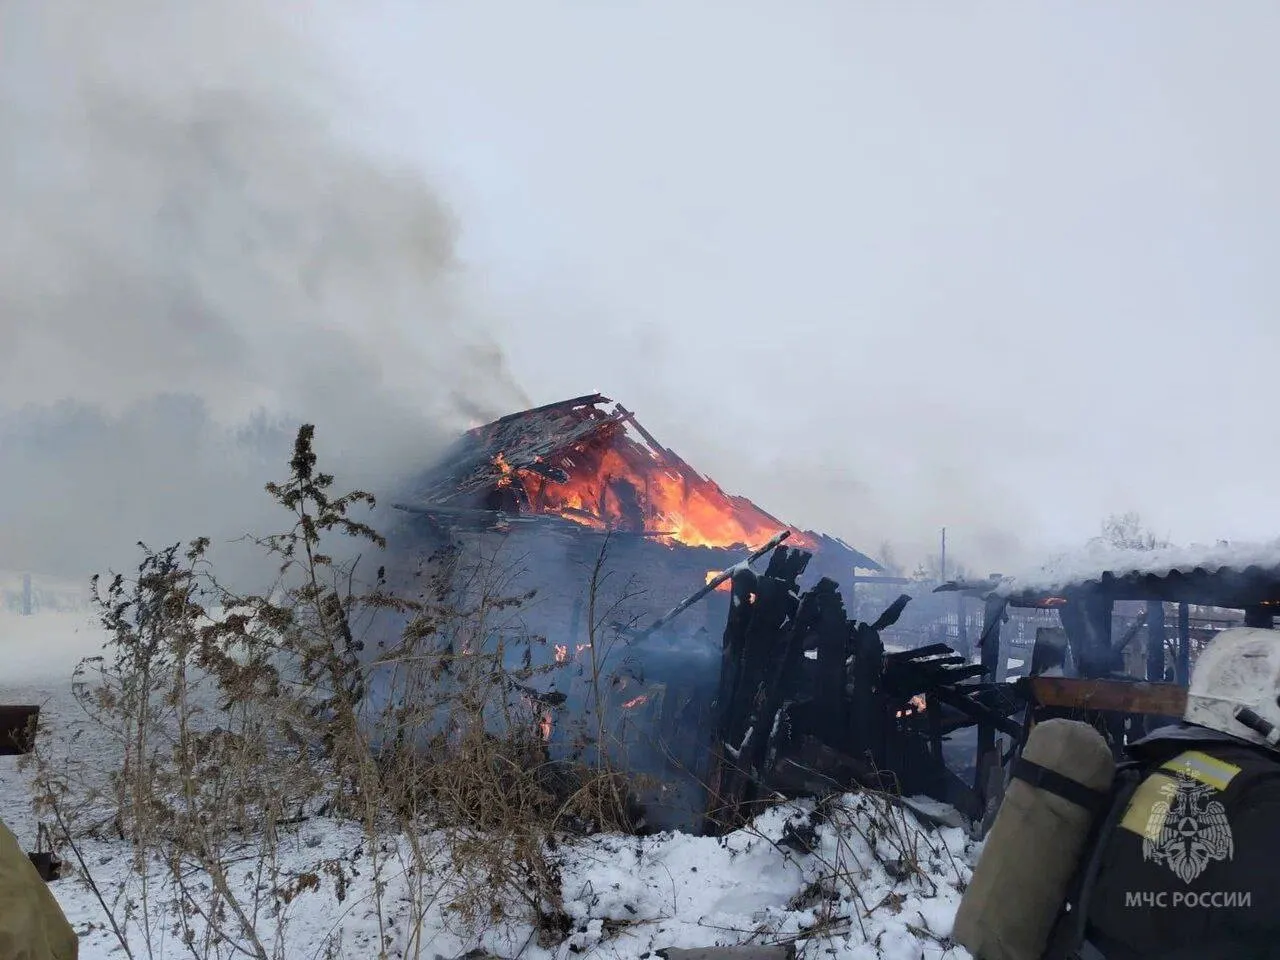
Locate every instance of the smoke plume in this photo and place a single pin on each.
(193, 260)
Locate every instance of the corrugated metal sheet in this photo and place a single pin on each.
(1228, 575)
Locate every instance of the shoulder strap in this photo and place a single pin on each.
(1059, 784)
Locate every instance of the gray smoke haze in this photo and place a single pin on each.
(194, 258)
(883, 267)
(880, 267)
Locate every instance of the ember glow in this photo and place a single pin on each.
(917, 704)
(726, 586)
(636, 702)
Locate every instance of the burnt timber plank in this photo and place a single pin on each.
(808, 616)
(918, 653)
(832, 628)
(1119, 696)
(867, 735)
(985, 716)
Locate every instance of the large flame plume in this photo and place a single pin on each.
(598, 468)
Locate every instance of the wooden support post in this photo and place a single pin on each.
(1103, 610)
(1155, 641)
(1183, 672)
(988, 758)
(27, 607)
(933, 713)
(867, 734)
(1263, 617)
(1087, 620)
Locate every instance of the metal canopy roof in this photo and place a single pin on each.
(1210, 585)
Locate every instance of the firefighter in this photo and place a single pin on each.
(32, 925)
(1186, 862)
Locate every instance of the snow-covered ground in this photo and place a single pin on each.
(871, 881)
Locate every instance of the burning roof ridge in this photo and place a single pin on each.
(553, 441)
(587, 400)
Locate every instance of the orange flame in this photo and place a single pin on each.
(562, 652)
(616, 484)
(636, 702)
(504, 469)
(543, 722)
(917, 704)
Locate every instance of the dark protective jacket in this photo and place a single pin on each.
(1188, 861)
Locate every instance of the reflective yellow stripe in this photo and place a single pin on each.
(1204, 768)
(1146, 811)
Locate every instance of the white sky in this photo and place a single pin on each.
(880, 266)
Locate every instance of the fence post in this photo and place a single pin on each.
(26, 594)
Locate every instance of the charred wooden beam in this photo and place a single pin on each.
(832, 629)
(1182, 672)
(1261, 616)
(919, 653)
(812, 610)
(587, 400)
(17, 729)
(1119, 696)
(985, 716)
(987, 760)
(811, 766)
(711, 585)
(868, 711)
(891, 614)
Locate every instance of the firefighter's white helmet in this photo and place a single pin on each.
(1238, 676)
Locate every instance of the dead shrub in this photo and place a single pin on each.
(237, 717)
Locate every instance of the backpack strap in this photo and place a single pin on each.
(1060, 785)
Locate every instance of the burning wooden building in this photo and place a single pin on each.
(574, 469)
(606, 530)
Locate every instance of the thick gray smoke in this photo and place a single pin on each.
(192, 260)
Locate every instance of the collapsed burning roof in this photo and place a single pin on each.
(575, 465)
